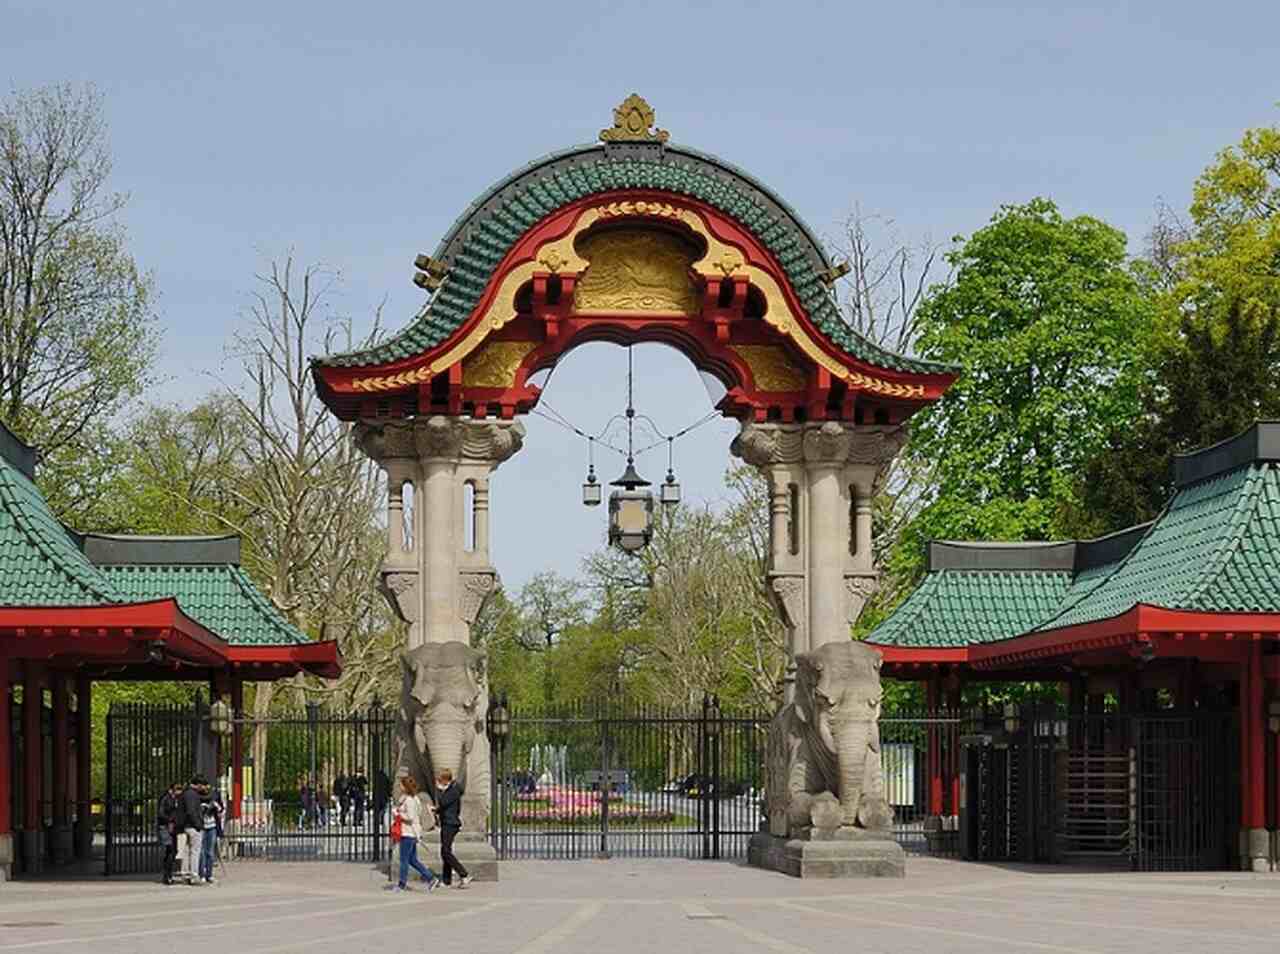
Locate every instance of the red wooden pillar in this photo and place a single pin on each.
(61, 754)
(933, 701)
(84, 757)
(1256, 806)
(237, 746)
(6, 783)
(33, 766)
(954, 684)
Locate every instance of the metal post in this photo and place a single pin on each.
(604, 789)
(109, 802)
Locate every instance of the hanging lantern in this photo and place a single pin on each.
(669, 493)
(592, 492)
(630, 512)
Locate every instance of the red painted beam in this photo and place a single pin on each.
(322, 659)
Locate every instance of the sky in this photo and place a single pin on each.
(355, 134)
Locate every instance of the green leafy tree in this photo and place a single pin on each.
(1045, 319)
(77, 336)
(1216, 369)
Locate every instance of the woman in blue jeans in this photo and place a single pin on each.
(409, 811)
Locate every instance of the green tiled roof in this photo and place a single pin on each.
(1216, 548)
(218, 596)
(958, 607)
(40, 561)
(491, 225)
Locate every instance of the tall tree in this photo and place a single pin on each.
(1045, 319)
(1216, 367)
(77, 337)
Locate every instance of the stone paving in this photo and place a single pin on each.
(621, 907)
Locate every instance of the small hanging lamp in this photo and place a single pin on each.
(592, 492)
(630, 511)
(669, 493)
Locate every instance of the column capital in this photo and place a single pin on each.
(826, 443)
(440, 438)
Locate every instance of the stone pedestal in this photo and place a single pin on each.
(475, 853)
(1255, 849)
(843, 853)
(6, 857)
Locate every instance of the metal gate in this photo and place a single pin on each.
(1153, 791)
(315, 784)
(600, 781)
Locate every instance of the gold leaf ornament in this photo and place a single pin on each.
(632, 120)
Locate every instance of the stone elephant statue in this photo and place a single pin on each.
(824, 770)
(444, 705)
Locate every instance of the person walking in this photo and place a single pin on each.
(409, 810)
(191, 824)
(449, 811)
(358, 787)
(211, 832)
(344, 797)
(167, 828)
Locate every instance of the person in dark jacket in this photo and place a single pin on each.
(358, 790)
(167, 828)
(343, 796)
(448, 810)
(191, 826)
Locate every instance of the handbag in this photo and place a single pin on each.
(397, 828)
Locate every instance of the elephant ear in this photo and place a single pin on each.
(806, 683)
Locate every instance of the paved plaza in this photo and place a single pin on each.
(621, 907)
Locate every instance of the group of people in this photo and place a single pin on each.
(445, 812)
(189, 819)
(350, 792)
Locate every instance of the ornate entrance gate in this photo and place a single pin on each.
(599, 782)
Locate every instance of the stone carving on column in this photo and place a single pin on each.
(476, 588)
(400, 587)
(829, 443)
(859, 588)
(788, 597)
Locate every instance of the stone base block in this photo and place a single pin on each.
(472, 849)
(1255, 849)
(6, 857)
(829, 855)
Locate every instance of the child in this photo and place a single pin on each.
(449, 810)
(409, 811)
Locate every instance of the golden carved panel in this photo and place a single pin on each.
(636, 270)
(495, 364)
(633, 120)
(771, 368)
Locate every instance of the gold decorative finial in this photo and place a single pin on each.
(631, 122)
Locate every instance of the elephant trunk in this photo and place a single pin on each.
(445, 738)
(852, 745)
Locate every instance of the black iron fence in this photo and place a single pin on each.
(605, 781)
(1148, 791)
(315, 783)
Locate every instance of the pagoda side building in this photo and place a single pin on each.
(76, 609)
(1166, 615)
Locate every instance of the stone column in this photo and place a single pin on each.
(439, 586)
(819, 474)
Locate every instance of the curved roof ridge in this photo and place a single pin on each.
(489, 227)
(1233, 532)
(53, 541)
(273, 613)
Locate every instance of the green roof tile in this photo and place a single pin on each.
(219, 596)
(40, 561)
(492, 224)
(959, 607)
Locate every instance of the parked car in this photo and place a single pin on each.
(678, 785)
(698, 786)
